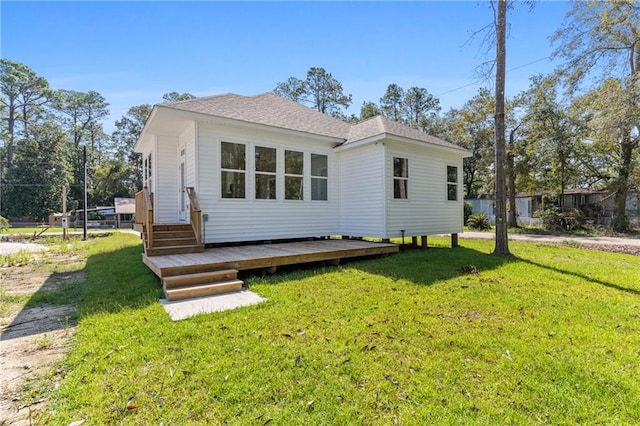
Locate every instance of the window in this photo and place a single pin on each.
(293, 174)
(319, 177)
(452, 183)
(265, 173)
(147, 171)
(400, 178)
(233, 162)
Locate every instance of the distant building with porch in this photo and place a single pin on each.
(595, 205)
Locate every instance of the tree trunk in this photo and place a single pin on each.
(510, 170)
(11, 124)
(620, 221)
(502, 240)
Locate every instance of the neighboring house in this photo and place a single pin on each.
(125, 208)
(267, 168)
(596, 205)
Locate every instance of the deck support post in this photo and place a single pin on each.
(424, 242)
(414, 241)
(454, 240)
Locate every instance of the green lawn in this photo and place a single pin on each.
(549, 336)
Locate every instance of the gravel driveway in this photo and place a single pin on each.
(8, 248)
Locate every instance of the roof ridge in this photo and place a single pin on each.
(199, 98)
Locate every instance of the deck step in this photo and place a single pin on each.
(172, 227)
(173, 234)
(159, 251)
(168, 242)
(199, 278)
(203, 290)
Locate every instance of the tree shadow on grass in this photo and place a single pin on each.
(426, 267)
(420, 266)
(110, 282)
(581, 276)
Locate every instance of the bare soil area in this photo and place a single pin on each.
(32, 338)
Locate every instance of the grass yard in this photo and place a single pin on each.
(442, 336)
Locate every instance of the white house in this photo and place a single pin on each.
(267, 168)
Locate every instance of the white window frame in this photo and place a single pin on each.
(399, 178)
(223, 170)
(257, 173)
(300, 176)
(319, 178)
(448, 182)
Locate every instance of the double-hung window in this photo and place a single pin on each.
(293, 175)
(452, 183)
(265, 173)
(319, 177)
(233, 162)
(400, 178)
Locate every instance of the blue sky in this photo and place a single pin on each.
(133, 52)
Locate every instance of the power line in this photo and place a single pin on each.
(473, 83)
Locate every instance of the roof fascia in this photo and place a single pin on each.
(361, 142)
(381, 136)
(460, 151)
(145, 128)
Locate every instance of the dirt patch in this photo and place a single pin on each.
(613, 248)
(32, 338)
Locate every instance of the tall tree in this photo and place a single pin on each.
(80, 111)
(392, 102)
(610, 113)
(502, 240)
(419, 106)
(602, 40)
(472, 127)
(33, 186)
(176, 97)
(293, 89)
(369, 110)
(81, 115)
(320, 90)
(553, 137)
(23, 94)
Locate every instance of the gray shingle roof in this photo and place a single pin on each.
(268, 109)
(379, 125)
(272, 110)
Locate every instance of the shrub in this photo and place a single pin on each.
(479, 222)
(555, 220)
(468, 211)
(4, 224)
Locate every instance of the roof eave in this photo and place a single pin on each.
(145, 129)
(376, 138)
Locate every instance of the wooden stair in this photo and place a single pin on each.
(171, 238)
(200, 284)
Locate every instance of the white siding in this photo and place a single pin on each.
(362, 191)
(426, 211)
(188, 141)
(249, 219)
(166, 180)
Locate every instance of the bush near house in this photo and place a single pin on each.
(468, 211)
(479, 222)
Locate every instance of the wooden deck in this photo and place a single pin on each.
(263, 256)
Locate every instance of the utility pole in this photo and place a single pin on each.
(86, 207)
(64, 222)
